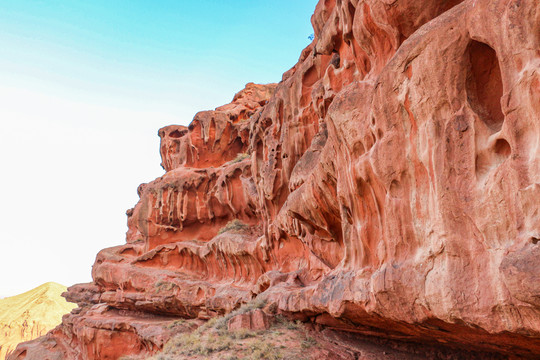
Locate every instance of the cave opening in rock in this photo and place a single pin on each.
(176, 134)
(502, 148)
(484, 84)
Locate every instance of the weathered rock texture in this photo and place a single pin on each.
(31, 315)
(392, 189)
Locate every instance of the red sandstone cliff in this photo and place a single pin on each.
(391, 187)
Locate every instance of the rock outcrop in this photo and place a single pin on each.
(388, 186)
(30, 315)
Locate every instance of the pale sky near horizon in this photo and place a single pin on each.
(84, 88)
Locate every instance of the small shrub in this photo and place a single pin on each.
(220, 323)
(176, 323)
(208, 325)
(281, 320)
(292, 325)
(261, 350)
(234, 226)
(239, 157)
(223, 342)
(272, 308)
(308, 342)
(162, 285)
(258, 303)
(243, 334)
(185, 344)
(214, 340)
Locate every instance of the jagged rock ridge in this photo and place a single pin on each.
(391, 189)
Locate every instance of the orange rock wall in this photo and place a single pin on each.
(390, 187)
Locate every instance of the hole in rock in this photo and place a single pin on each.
(175, 134)
(484, 84)
(358, 148)
(264, 287)
(128, 251)
(502, 148)
(200, 294)
(335, 60)
(310, 77)
(535, 240)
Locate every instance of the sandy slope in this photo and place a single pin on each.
(30, 315)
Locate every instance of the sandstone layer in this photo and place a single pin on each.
(388, 186)
(30, 315)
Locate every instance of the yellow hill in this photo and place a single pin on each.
(30, 315)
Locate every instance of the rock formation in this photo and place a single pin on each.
(30, 315)
(388, 186)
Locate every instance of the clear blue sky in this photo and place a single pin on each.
(84, 87)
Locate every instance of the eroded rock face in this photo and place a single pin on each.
(391, 188)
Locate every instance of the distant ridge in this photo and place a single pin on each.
(30, 315)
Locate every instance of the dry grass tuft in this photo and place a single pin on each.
(235, 225)
(284, 340)
(239, 157)
(162, 285)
